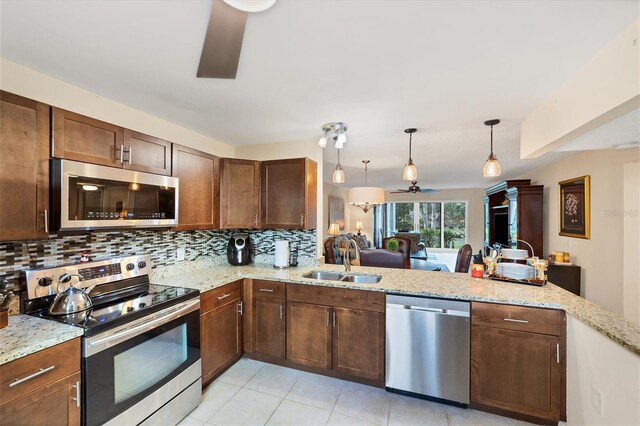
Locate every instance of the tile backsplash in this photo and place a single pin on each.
(161, 245)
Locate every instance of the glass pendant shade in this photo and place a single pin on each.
(338, 175)
(341, 139)
(409, 173)
(323, 141)
(491, 167)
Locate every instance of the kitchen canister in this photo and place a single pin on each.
(282, 254)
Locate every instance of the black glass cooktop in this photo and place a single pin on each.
(144, 300)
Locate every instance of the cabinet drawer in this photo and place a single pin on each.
(271, 289)
(39, 369)
(221, 296)
(521, 318)
(337, 297)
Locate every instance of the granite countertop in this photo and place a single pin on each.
(206, 276)
(25, 335)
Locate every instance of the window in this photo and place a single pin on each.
(441, 224)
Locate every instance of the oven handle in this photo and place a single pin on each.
(93, 346)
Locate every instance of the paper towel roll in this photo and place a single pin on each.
(282, 254)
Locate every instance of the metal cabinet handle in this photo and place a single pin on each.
(77, 398)
(334, 318)
(224, 296)
(516, 320)
(558, 353)
(281, 311)
(130, 154)
(302, 219)
(327, 318)
(268, 290)
(255, 220)
(121, 154)
(32, 376)
(46, 221)
(241, 308)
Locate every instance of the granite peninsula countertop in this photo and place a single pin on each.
(26, 334)
(206, 276)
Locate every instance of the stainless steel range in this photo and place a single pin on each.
(141, 344)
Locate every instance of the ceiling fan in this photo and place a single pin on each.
(414, 188)
(223, 41)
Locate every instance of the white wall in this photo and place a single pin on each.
(26, 82)
(631, 242)
(276, 151)
(596, 363)
(475, 206)
(606, 88)
(600, 257)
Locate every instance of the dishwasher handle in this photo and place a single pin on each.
(450, 312)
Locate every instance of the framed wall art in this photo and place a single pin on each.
(336, 211)
(574, 207)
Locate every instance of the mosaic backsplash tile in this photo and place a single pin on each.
(161, 245)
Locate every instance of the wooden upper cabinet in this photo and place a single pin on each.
(147, 153)
(80, 138)
(289, 193)
(24, 167)
(239, 193)
(199, 188)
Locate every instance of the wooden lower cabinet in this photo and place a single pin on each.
(54, 404)
(337, 330)
(310, 334)
(358, 343)
(42, 388)
(518, 364)
(220, 329)
(269, 327)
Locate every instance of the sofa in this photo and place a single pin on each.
(332, 246)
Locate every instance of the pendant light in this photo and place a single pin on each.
(410, 173)
(491, 166)
(366, 197)
(338, 173)
(336, 131)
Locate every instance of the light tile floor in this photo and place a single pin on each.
(255, 393)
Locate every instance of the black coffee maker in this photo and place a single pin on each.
(240, 250)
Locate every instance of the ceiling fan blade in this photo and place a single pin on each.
(223, 42)
(428, 191)
(399, 191)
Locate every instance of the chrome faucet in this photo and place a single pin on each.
(345, 259)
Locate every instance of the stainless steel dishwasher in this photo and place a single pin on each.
(427, 347)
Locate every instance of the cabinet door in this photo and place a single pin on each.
(268, 327)
(516, 371)
(289, 189)
(199, 190)
(220, 339)
(146, 153)
(239, 193)
(358, 343)
(309, 334)
(24, 168)
(55, 404)
(80, 138)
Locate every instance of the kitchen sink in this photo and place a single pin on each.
(323, 275)
(361, 279)
(337, 276)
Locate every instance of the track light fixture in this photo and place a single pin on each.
(337, 132)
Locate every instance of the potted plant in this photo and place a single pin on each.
(393, 244)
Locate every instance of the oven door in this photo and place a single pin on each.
(124, 365)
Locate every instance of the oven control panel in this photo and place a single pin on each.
(48, 281)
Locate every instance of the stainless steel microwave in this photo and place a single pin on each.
(87, 196)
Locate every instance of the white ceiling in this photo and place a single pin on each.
(441, 66)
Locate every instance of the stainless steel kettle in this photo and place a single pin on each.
(72, 299)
